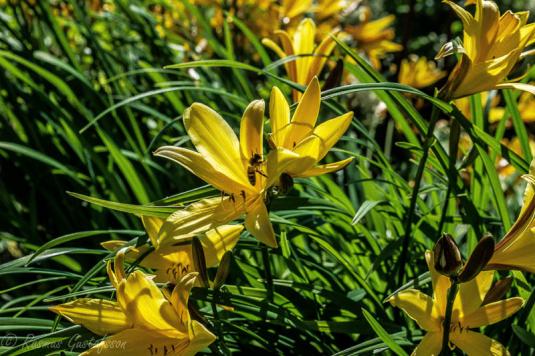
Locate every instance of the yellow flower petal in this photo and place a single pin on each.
(471, 294)
(202, 168)
(514, 250)
(146, 305)
(278, 161)
(258, 224)
(279, 116)
(430, 345)
(215, 140)
(198, 217)
(304, 45)
(492, 313)
(139, 342)
(330, 132)
(179, 299)
(200, 338)
(519, 86)
(441, 284)
(251, 131)
(291, 67)
(305, 116)
(152, 226)
(293, 8)
(98, 315)
(218, 241)
(476, 344)
(419, 307)
(321, 54)
(309, 153)
(325, 168)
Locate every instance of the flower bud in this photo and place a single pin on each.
(498, 290)
(199, 261)
(223, 270)
(478, 259)
(447, 256)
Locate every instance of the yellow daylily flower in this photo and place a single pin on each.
(291, 9)
(468, 313)
(517, 249)
(301, 135)
(492, 45)
(526, 107)
(495, 113)
(143, 319)
(302, 69)
(419, 72)
(504, 167)
(326, 9)
(374, 37)
(235, 167)
(172, 262)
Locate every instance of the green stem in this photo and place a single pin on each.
(414, 198)
(452, 293)
(220, 336)
(455, 134)
(267, 271)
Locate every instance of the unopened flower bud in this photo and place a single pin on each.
(199, 261)
(223, 270)
(448, 259)
(498, 290)
(478, 259)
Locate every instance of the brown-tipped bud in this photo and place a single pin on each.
(448, 258)
(223, 270)
(199, 261)
(478, 259)
(335, 76)
(498, 290)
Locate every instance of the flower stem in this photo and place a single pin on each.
(452, 293)
(267, 271)
(414, 197)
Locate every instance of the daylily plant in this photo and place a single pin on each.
(492, 45)
(310, 60)
(515, 250)
(235, 167)
(143, 320)
(172, 262)
(374, 37)
(301, 135)
(469, 312)
(419, 72)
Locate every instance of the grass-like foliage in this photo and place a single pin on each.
(90, 90)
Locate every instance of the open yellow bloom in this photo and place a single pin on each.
(143, 320)
(291, 9)
(419, 72)
(492, 45)
(301, 135)
(468, 313)
(526, 107)
(374, 37)
(235, 167)
(302, 69)
(172, 262)
(517, 249)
